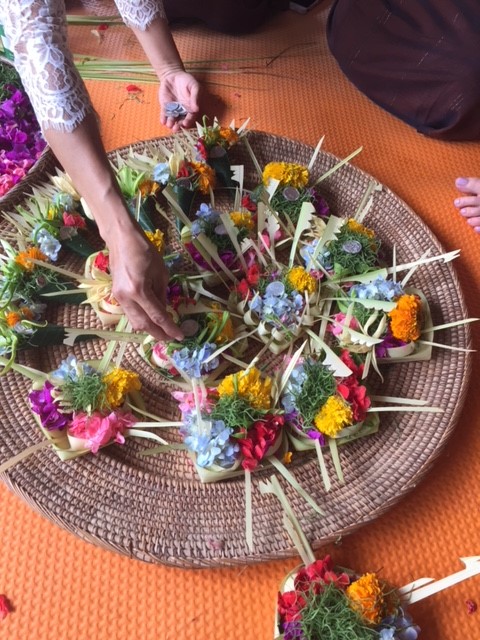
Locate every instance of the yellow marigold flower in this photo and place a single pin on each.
(149, 188)
(366, 597)
(13, 318)
(289, 174)
(248, 385)
(334, 416)
(157, 239)
(230, 135)
(405, 318)
(242, 219)
(24, 258)
(119, 383)
(206, 176)
(301, 280)
(287, 457)
(357, 227)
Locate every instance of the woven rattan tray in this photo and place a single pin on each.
(155, 509)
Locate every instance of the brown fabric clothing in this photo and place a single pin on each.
(226, 16)
(418, 59)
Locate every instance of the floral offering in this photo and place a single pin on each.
(209, 222)
(318, 405)
(206, 332)
(53, 223)
(292, 191)
(232, 427)
(395, 323)
(82, 408)
(21, 142)
(353, 251)
(212, 146)
(280, 301)
(323, 601)
(25, 275)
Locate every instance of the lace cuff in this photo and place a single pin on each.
(38, 33)
(140, 13)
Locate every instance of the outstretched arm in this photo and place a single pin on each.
(147, 20)
(37, 29)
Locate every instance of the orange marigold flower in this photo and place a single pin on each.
(149, 188)
(405, 319)
(206, 176)
(366, 597)
(13, 318)
(24, 258)
(230, 135)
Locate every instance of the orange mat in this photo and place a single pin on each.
(65, 589)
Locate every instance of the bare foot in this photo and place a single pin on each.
(469, 204)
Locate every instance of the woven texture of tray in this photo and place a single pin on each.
(156, 510)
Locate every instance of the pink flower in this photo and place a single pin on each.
(98, 429)
(74, 220)
(186, 400)
(339, 319)
(160, 358)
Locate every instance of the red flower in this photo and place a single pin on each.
(248, 203)
(346, 358)
(74, 220)
(253, 275)
(184, 170)
(352, 391)
(5, 607)
(289, 605)
(132, 88)
(258, 440)
(102, 262)
(243, 289)
(102, 27)
(316, 575)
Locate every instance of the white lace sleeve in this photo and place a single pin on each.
(38, 33)
(140, 13)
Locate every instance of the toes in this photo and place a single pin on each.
(470, 212)
(468, 185)
(467, 201)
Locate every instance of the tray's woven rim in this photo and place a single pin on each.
(45, 163)
(48, 508)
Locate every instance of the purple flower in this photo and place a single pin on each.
(389, 342)
(21, 142)
(321, 206)
(43, 404)
(398, 627)
(292, 630)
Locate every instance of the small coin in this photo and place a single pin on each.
(352, 246)
(291, 194)
(175, 110)
(189, 327)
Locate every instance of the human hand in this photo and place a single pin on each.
(179, 86)
(469, 204)
(140, 281)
